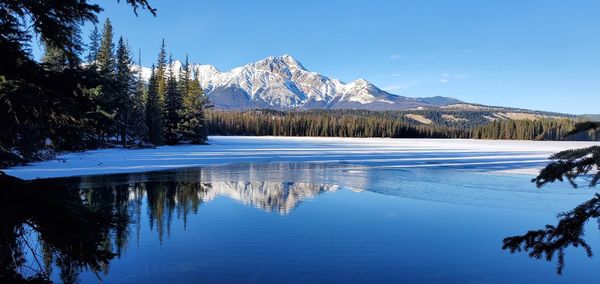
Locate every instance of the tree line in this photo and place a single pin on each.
(79, 96)
(361, 123)
(327, 123)
(538, 129)
(168, 109)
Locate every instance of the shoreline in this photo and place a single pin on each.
(502, 156)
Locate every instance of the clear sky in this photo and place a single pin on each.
(533, 54)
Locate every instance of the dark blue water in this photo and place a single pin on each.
(303, 223)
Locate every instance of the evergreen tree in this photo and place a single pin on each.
(94, 46)
(173, 102)
(185, 75)
(124, 89)
(155, 104)
(43, 106)
(154, 111)
(109, 88)
(193, 126)
(105, 56)
(161, 73)
(137, 120)
(54, 59)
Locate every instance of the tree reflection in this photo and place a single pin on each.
(43, 224)
(553, 240)
(77, 224)
(570, 165)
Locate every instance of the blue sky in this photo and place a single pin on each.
(533, 54)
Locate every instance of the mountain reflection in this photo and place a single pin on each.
(59, 228)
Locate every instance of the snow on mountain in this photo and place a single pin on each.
(284, 83)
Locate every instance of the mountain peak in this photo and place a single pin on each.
(281, 82)
(285, 60)
(362, 81)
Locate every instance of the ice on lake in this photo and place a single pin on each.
(304, 222)
(477, 155)
(317, 210)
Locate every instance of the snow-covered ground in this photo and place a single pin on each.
(521, 157)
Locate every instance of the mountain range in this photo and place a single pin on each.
(283, 83)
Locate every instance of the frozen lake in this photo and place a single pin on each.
(304, 222)
(294, 210)
(479, 155)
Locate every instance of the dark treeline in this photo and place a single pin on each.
(327, 123)
(361, 123)
(539, 129)
(81, 96)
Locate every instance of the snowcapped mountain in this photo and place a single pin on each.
(283, 83)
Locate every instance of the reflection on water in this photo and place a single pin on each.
(269, 196)
(44, 226)
(82, 223)
(66, 229)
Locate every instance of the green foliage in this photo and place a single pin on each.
(94, 46)
(394, 124)
(105, 58)
(570, 165)
(54, 59)
(54, 105)
(137, 128)
(124, 83)
(161, 73)
(173, 104)
(585, 126)
(154, 112)
(538, 129)
(193, 125)
(328, 123)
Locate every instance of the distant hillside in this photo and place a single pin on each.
(465, 115)
(499, 123)
(590, 117)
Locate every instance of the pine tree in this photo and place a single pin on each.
(94, 46)
(154, 111)
(161, 73)
(173, 103)
(106, 68)
(41, 103)
(54, 59)
(124, 89)
(193, 126)
(137, 119)
(105, 56)
(185, 75)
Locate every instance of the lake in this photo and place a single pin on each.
(293, 222)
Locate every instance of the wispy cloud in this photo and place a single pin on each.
(395, 56)
(393, 88)
(403, 85)
(447, 77)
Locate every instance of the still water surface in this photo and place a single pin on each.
(300, 223)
